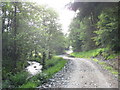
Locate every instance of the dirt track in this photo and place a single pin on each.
(82, 73)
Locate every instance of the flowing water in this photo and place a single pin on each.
(34, 67)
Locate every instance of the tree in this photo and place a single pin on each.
(74, 35)
(107, 35)
(89, 21)
(28, 30)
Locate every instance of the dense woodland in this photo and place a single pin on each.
(95, 26)
(33, 32)
(29, 32)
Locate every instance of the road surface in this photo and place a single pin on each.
(82, 73)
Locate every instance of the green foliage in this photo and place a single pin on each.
(29, 85)
(112, 56)
(81, 34)
(19, 78)
(102, 63)
(57, 67)
(107, 33)
(96, 60)
(88, 54)
(23, 80)
(30, 29)
(108, 68)
(111, 69)
(35, 81)
(6, 84)
(15, 80)
(115, 72)
(96, 52)
(52, 62)
(57, 64)
(95, 28)
(21, 65)
(74, 35)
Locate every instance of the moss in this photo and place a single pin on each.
(108, 68)
(102, 63)
(111, 69)
(115, 72)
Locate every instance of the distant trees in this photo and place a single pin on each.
(95, 25)
(29, 31)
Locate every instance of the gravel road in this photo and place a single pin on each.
(82, 73)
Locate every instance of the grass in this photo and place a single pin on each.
(112, 56)
(52, 70)
(29, 85)
(95, 60)
(107, 67)
(88, 54)
(15, 80)
(93, 53)
(102, 63)
(53, 61)
(111, 69)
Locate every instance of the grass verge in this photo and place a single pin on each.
(88, 54)
(106, 67)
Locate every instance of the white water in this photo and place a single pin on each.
(70, 50)
(34, 67)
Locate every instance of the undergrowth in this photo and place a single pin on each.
(96, 52)
(88, 54)
(23, 80)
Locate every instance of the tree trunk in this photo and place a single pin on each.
(14, 33)
(43, 60)
(3, 19)
(49, 55)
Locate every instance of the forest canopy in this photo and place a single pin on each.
(95, 26)
(29, 31)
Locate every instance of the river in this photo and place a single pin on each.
(34, 67)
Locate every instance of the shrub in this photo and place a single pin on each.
(6, 84)
(21, 65)
(19, 78)
(39, 78)
(52, 62)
